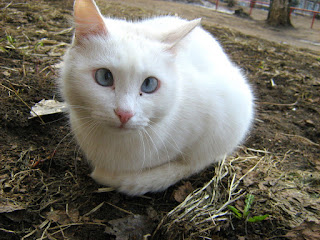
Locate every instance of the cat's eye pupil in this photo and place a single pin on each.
(104, 77)
(149, 85)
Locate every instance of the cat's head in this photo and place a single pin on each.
(121, 74)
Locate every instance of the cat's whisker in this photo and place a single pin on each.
(60, 142)
(89, 122)
(149, 147)
(89, 135)
(92, 126)
(154, 145)
(144, 148)
(160, 138)
(151, 153)
(165, 147)
(174, 145)
(144, 137)
(70, 133)
(81, 107)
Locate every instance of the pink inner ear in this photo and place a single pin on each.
(88, 19)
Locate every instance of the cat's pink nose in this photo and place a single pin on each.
(123, 115)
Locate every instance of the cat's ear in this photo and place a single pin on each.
(88, 19)
(174, 37)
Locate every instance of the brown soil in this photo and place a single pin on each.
(45, 188)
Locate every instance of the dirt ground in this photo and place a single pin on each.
(46, 191)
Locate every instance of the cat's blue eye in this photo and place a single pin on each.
(104, 77)
(149, 85)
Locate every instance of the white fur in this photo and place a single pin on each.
(201, 112)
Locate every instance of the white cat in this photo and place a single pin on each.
(151, 102)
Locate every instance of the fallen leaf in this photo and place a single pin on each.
(6, 73)
(153, 214)
(310, 122)
(47, 107)
(60, 216)
(131, 227)
(251, 179)
(7, 207)
(73, 214)
(13, 211)
(182, 192)
(248, 182)
(262, 186)
(241, 238)
(57, 216)
(216, 237)
(306, 231)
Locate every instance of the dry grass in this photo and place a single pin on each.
(288, 197)
(205, 210)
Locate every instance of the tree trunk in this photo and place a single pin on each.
(231, 3)
(279, 13)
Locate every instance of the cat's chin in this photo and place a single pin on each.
(124, 128)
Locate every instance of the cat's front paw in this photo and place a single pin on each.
(104, 177)
(136, 183)
(133, 185)
(139, 183)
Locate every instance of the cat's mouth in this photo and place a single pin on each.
(126, 127)
(123, 127)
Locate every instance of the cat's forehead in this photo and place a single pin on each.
(133, 30)
(132, 52)
(126, 47)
